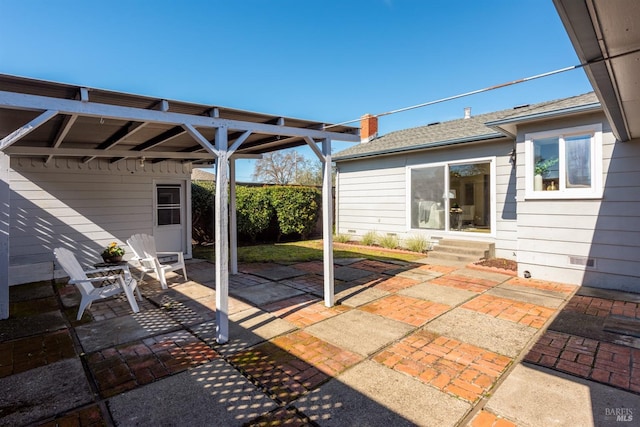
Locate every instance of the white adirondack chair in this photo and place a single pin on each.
(144, 249)
(116, 283)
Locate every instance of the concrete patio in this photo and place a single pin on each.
(407, 344)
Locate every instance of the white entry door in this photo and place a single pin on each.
(169, 217)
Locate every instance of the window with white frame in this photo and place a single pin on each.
(564, 163)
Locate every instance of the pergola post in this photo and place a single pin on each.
(327, 224)
(233, 223)
(5, 207)
(221, 230)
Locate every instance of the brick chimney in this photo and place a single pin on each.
(368, 128)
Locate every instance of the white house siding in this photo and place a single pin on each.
(605, 230)
(372, 193)
(80, 206)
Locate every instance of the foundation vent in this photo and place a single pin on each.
(582, 261)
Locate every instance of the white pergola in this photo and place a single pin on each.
(91, 123)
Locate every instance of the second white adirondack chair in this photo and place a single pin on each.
(116, 283)
(144, 249)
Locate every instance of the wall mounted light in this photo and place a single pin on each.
(142, 162)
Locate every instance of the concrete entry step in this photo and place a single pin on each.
(462, 250)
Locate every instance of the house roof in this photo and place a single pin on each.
(478, 128)
(47, 119)
(198, 174)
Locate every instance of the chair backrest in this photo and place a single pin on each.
(143, 245)
(72, 267)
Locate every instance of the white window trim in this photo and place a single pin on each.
(492, 160)
(596, 190)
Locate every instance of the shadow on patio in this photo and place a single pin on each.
(397, 349)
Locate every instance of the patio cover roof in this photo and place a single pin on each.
(46, 120)
(606, 38)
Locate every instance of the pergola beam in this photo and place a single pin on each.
(66, 126)
(25, 130)
(92, 109)
(88, 152)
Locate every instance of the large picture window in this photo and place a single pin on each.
(564, 163)
(451, 196)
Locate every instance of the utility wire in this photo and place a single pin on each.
(462, 95)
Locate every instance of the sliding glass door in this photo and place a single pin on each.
(452, 197)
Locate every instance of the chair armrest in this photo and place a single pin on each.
(96, 279)
(104, 269)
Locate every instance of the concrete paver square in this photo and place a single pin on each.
(193, 290)
(31, 291)
(347, 261)
(211, 394)
(440, 294)
(528, 295)
(498, 335)
(359, 295)
(16, 327)
(279, 272)
(108, 333)
(461, 281)
(34, 351)
(349, 274)
(246, 329)
(28, 396)
(304, 310)
(359, 332)
(535, 396)
(419, 274)
(266, 293)
(370, 394)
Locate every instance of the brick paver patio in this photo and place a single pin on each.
(507, 309)
(290, 361)
(409, 310)
(461, 369)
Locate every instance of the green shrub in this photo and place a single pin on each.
(417, 243)
(296, 209)
(342, 238)
(254, 211)
(389, 241)
(370, 238)
(202, 212)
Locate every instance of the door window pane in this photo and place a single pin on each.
(168, 204)
(427, 189)
(470, 197)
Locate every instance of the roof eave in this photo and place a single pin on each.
(509, 125)
(421, 147)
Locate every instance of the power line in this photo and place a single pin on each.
(462, 95)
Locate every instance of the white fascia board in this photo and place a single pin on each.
(91, 109)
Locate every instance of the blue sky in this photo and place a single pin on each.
(326, 60)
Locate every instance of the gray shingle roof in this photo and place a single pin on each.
(473, 129)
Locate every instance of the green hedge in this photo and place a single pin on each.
(261, 212)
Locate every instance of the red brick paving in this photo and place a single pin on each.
(396, 283)
(461, 369)
(467, 283)
(280, 373)
(304, 310)
(601, 307)
(406, 309)
(486, 419)
(127, 366)
(87, 417)
(543, 285)
(32, 352)
(507, 309)
(324, 356)
(315, 267)
(374, 266)
(281, 417)
(607, 363)
(438, 268)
